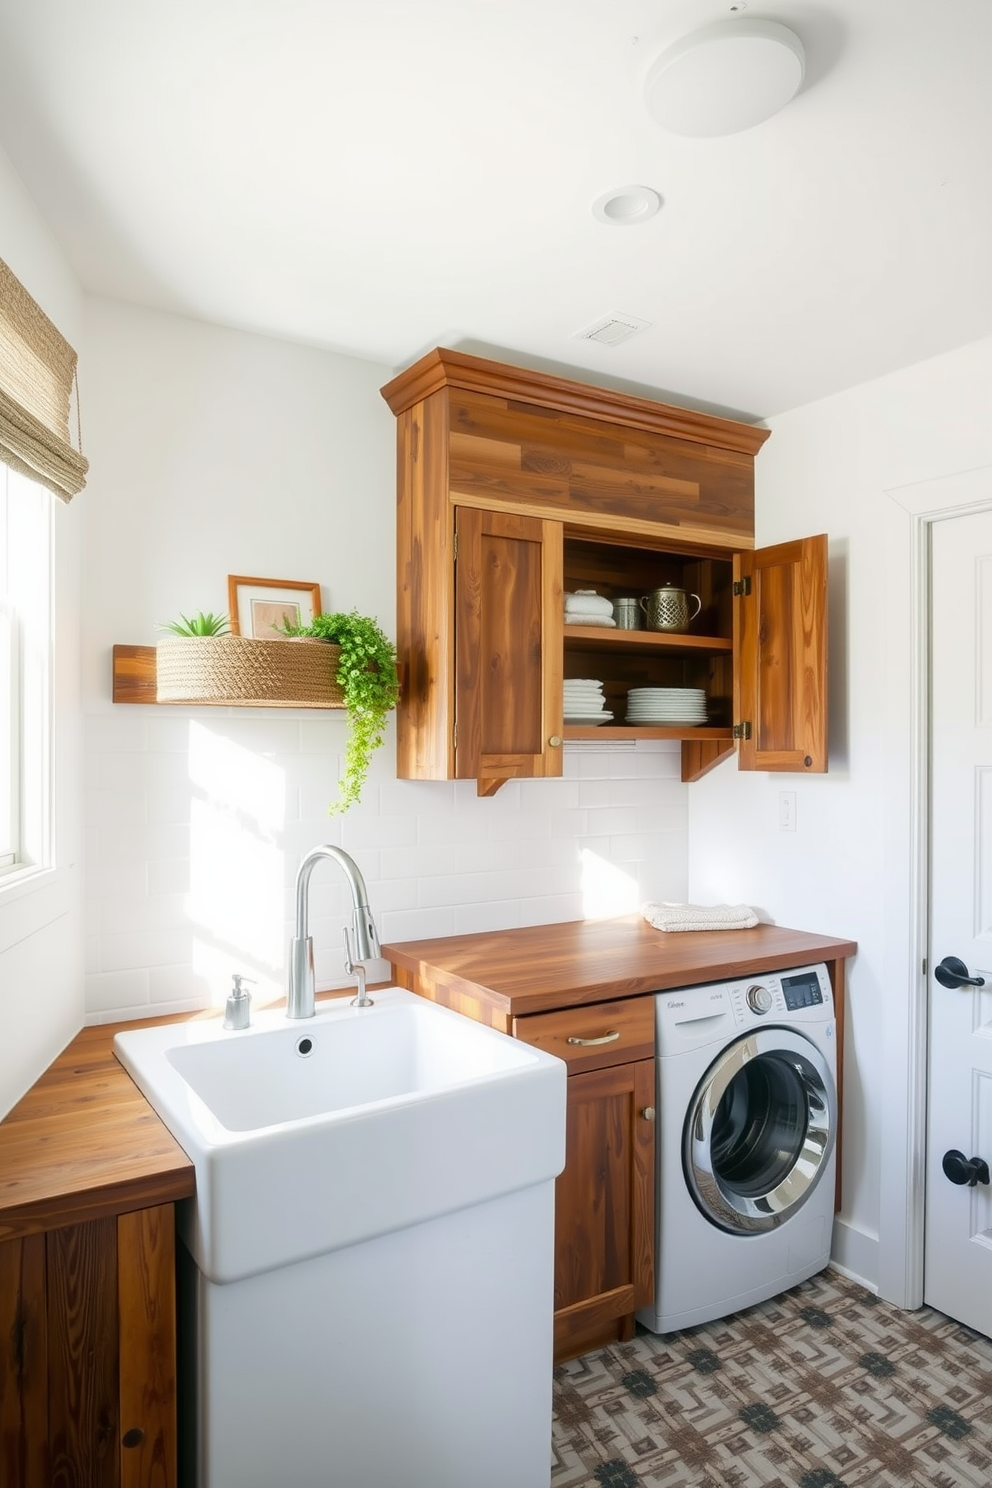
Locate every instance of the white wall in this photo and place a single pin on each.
(831, 467)
(215, 452)
(41, 986)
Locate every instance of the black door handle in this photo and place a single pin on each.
(953, 973)
(961, 1169)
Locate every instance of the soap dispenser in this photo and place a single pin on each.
(238, 1013)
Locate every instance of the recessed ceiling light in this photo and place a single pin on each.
(725, 78)
(625, 206)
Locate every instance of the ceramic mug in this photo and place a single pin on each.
(668, 608)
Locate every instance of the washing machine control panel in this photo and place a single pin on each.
(780, 995)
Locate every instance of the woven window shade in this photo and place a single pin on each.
(37, 375)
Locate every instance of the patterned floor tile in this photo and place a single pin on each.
(823, 1387)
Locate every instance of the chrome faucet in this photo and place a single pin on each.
(361, 945)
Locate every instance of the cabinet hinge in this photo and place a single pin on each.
(454, 736)
(742, 586)
(741, 730)
(454, 548)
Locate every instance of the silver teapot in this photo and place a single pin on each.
(667, 608)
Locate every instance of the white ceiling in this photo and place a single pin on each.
(383, 176)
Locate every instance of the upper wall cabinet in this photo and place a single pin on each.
(514, 488)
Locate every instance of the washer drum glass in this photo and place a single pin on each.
(760, 1131)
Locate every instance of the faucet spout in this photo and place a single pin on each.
(363, 945)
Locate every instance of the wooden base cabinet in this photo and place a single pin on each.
(604, 1198)
(87, 1355)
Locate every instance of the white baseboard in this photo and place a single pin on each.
(855, 1254)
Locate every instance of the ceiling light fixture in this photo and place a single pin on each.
(725, 78)
(626, 206)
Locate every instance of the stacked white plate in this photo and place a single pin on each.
(584, 701)
(665, 707)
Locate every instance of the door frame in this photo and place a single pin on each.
(903, 1146)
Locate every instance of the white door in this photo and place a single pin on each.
(958, 1252)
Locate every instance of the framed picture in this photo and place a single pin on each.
(262, 608)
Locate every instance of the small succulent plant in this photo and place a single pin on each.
(199, 624)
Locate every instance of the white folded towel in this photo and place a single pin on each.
(699, 916)
(587, 602)
(571, 618)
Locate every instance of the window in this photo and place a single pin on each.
(25, 672)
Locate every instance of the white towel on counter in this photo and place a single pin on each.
(588, 602)
(699, 916)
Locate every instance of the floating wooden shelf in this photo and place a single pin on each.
(135, 674)
(135, 680)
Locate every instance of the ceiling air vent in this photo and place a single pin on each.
(612, 329)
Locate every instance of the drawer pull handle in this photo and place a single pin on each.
(648, 1113)
(606, 1038)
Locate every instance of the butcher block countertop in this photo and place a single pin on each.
(85, 1144)
(509, 973)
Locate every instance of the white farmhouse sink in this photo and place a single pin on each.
(314, 1134)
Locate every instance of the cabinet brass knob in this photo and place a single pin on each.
(555, 741)
(605, 1038)
(648, 1113)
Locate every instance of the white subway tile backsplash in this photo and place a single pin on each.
(416, 924)
(378, 831)
(476, 919)
(110, 732)
(118, 989)
(551, 909)
(416, 797)
(134, 950)
(189, 878)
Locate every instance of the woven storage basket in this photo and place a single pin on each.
(236, 670)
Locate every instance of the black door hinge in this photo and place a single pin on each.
(742, 587)
(741, 731)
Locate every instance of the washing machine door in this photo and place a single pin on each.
(760, 1131)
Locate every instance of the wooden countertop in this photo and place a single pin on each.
(543, 967)
(84, 1144)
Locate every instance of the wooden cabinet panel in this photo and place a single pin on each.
(508, 626)
(146, 1281)
(23, 1364)
(780, 639)
(604, 1207)
(83, 1435)
(591, 456)
(88, 1355)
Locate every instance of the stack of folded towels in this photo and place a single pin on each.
(586, 607)
(699, 916)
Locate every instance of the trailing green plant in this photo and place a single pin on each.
(199, 624)
(367, 677)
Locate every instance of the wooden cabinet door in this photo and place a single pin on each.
(88, 1355)
(780, 645)
(604, 1207)
(146, 1305)
(508, 647)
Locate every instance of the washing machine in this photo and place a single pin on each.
(747, 1110)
